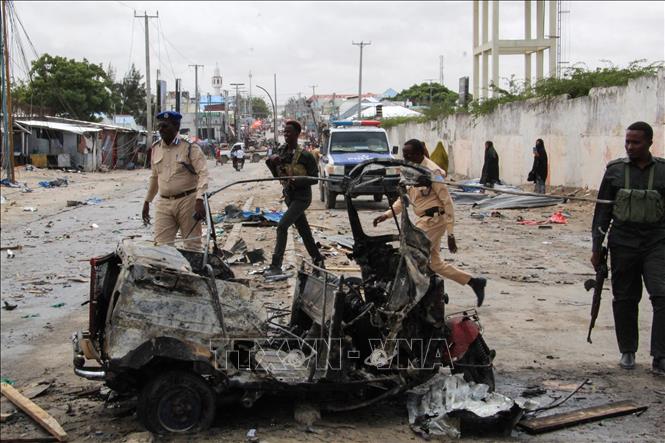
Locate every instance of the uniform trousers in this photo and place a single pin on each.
(294, 215)
(175, 214)
(630, 267)
(435, 228)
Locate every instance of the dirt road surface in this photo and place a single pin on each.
(535, 315)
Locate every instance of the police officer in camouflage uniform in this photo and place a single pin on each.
(636, 241)
(291, 160)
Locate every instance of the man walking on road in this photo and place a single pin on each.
(436, 216)
(179, 172)
(291, 160)
(636, 241)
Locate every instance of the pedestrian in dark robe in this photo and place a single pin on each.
(490, 174)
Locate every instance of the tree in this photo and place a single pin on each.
(131, 94)
(259, 108)
(428, 94)
(71, 88)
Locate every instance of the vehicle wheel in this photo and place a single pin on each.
(176, 402)
(479, 360)
(378, 197)
(331, 199)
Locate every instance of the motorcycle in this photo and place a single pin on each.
(238, 163)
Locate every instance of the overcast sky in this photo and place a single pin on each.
(309, 43)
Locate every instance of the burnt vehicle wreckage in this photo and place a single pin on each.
(175, 327)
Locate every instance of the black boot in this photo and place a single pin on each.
(478, 285)
(627, 360)
(658, 366)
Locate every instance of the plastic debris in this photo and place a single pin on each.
(94, 201)
(30, 316)
(438, 406)
(8, 306)
(251, 435)
(58, 305)
(558, 218)
(29, 209)
(94, 226)
(53, 183)
(9, 183)
(3, 200)
(10, 253)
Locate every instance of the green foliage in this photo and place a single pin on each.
(387, 123)
(426, 94)
(74, 89)
(260, 108)
(576, 81)
(130, 95)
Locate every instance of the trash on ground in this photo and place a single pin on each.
(10, 184)
(71, 203)
(53, 183)
(29, 209)
(10, 253)
(446, 405)
(8, 306)
(255, 256)
(233, 214)
(94, 201)
(251, 435)
(58, 305)
(94, 226)
(35, 412)
(345, 241)
(558, 218)
(566, 419)
(3, 200)
(506, 201)
(30, 315)
(279, 277)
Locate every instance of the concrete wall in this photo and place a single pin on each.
(581, 135)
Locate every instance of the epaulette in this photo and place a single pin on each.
(616, 162)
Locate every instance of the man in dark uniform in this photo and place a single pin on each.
(636, 241)
(291, 160)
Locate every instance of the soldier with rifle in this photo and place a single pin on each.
(636, 242)
(291, 160)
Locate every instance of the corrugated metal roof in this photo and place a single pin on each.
(57, 126)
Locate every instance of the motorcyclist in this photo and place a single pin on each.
(238, 156)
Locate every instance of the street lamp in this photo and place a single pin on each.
(274, 113)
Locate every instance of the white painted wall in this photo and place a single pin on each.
(581, 135)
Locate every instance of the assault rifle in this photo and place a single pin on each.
(597, 286)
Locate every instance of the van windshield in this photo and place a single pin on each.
(358, 142)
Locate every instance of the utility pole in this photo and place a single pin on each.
(235, 111)
(274, 112)
(360, 76)
(8, 137)
(226, 114)
(313, 90)
(441, 69)
(148, 94)
(196, 98)
(250, 95)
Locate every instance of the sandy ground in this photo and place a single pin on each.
(535, 315)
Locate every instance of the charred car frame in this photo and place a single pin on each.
(173, 326)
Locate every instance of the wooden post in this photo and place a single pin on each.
(35, 412)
